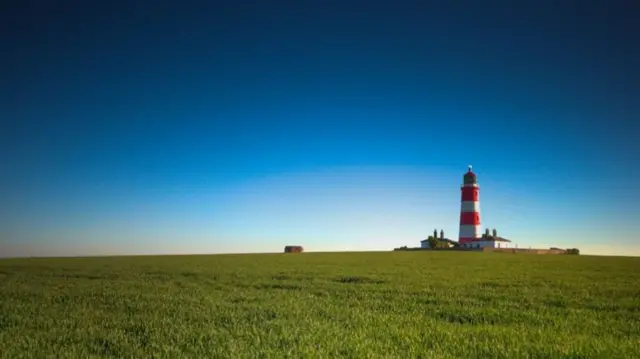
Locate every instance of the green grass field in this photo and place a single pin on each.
(360, 305)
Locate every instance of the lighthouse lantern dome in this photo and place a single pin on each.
(470, 177)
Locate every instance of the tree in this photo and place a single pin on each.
(433, 242)
(574, 251)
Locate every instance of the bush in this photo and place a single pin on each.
(574, 251)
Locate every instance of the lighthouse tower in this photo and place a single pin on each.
(470, 210)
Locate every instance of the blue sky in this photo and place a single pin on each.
(232, 126)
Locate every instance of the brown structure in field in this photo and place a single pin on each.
(293, 249)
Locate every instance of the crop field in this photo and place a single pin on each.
(322, 305)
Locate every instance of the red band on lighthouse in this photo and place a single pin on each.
(471, 194)
(470, 209)
(469, 218)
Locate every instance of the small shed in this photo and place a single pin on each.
(293, 249)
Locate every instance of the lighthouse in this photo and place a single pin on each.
(470, 210)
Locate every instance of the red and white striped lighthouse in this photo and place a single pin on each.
(470, 210)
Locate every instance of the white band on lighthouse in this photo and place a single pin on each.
(469, 206)
(470, 231)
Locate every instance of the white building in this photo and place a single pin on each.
(488, 242)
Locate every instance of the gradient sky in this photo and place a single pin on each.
(242, 126)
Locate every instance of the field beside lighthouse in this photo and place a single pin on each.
(377, 304)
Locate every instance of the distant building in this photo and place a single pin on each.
(293, 249)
